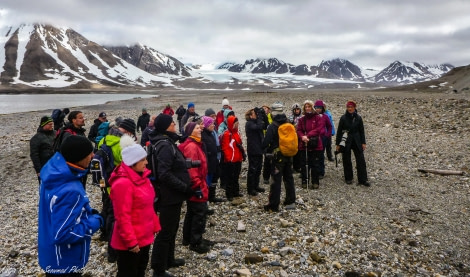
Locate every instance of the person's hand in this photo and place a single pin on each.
(337, 148)
(136, 249)
(39, 174)
(363, 147)
(305, 139)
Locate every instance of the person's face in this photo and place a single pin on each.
(267, 110)
(191, 110)
(235, 125)
(172, 127)
(79, 121)
(103, 119)
(214, 116)
(253, 115)
(140, 166)
(319, 109)
(308, 108)
(350, 109)
(297, 110)
(196, 131)
(124, 131)
(211, 127)
(48, 127)
(86, 161)
(225, 107)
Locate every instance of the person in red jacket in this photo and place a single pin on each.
(195, 219)
(136, 223)
(311, 128)
(168, 110)
(234, 154)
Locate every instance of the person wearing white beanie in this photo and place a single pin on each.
(136, 222)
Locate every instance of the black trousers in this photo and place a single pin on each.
(132, 264)
(281, 171)
(194, 222)
(360, 163)
(255, 165)
(312, 159)
(163, 253)
(297, 161)
(266, 169)
(232, 175)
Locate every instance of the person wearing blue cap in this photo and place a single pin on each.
(190, 112)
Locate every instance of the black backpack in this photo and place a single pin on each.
(102, 165)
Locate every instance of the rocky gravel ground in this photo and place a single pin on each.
(407, 223)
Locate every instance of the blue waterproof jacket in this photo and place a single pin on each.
(66, 221)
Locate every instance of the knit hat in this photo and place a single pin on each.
(190, 105)
(118, 120)
(128, 125)
(225, 102)
(277, 108)
(162, 122)
(132, 154)
(44, 120)
(207, 120)
(102, 115)
(76, 148)
(188, 129)
(209, 112)
(351, 103)
(319, 103)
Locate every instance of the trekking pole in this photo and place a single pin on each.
(306, 168)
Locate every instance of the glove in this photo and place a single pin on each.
(198, 193)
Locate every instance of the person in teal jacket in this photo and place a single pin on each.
(66, 221)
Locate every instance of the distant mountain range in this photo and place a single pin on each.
(44, 56)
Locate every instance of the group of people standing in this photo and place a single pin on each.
(172, 164)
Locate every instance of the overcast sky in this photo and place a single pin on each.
(369, 33)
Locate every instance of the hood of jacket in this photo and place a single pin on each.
(230, 122)
(124, 171)
(280, 118)
(57, 171)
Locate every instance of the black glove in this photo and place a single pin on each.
(198, 193)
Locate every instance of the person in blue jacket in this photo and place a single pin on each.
(66, 221)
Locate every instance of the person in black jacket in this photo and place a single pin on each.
(174, 187)
(281, 166)
(351, 129)
(40, 145)
(254, 127)
(180, 112)
(93, 133)
(209, 139)
(143, 120)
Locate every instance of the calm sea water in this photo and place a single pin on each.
(37, 102)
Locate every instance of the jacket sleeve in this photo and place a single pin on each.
(268, 138)
(197, 179)
(122, 199)
(71, 218)
(35, 148)
(224, 145)
(156, 223)
(339, 132)
(300, 127)
(166, 158)
(361, 131)
(328, 126)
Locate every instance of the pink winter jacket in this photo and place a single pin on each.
(313, 124)
(132, 196)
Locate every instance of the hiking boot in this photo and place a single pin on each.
(209, 243)
(315, 186)
(331, 159)
(349, 182)
(266, 181)
(268, 208)
(217, 200)
(253, 193)
(366, 183)
(162, 274)
(321, 176)
(290, 206)
(200, 248)
(177, 263)
(238, 195)
(260, 189)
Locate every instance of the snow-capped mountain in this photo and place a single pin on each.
(271, 65)
(343, 69)
(150, 60)
(410, 72)
(40, 55)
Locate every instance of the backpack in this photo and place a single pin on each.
(59, 136)
(102, 165)
(152, 161)
(288, 141)
(56, 114)
(103, 130)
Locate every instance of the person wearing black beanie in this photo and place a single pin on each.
(172, 178)
(66, 221)
(40, 144)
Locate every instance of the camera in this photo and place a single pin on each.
(192, 163)
(343, 139)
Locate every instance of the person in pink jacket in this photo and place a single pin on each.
(136, 223)
(311, 127)
(195, 219)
